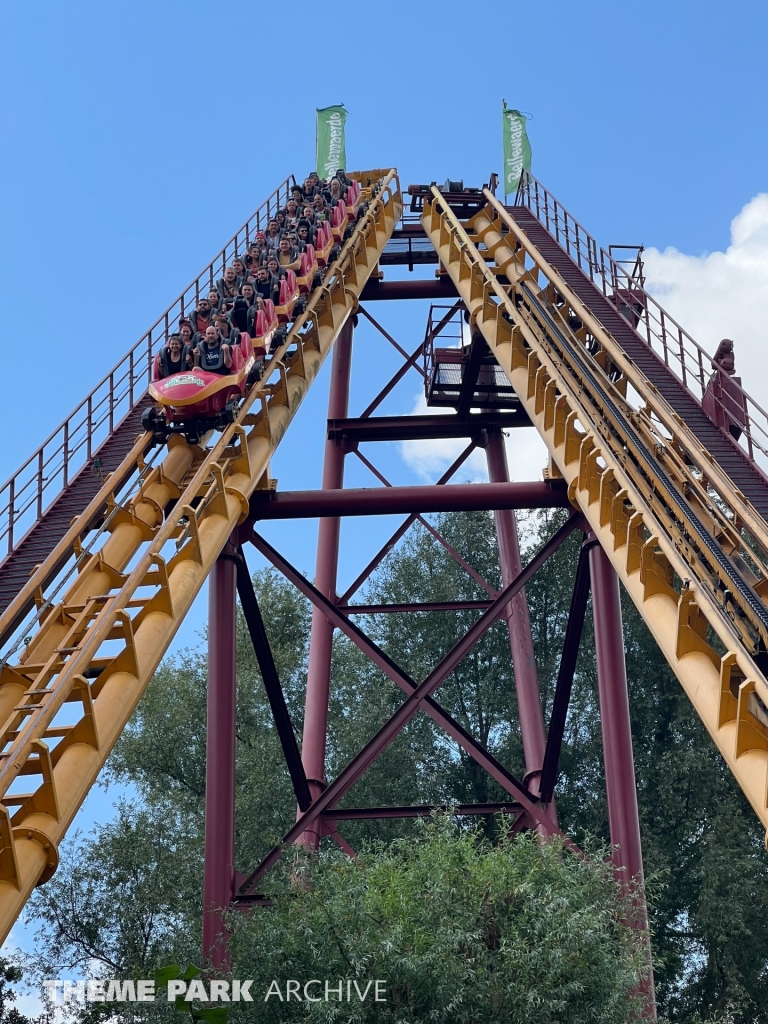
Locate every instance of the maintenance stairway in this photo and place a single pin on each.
(106, 554)
(677, 504)
(135, 566)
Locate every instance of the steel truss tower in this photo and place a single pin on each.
(655, 448)
(465, 379)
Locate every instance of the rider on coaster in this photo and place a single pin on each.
(174, 357)
(212, 354)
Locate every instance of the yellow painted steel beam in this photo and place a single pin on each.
(672, 581)
(120, 614)
(79, 526)
(726, 512)
(486, 228)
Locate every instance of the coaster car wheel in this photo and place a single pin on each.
(280, 335)
(152, 419)
(231, 410)
(256, 372)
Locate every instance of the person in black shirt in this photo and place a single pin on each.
(275, 271)
(276, 274)
(248, 293)
(213, 301)
(238, 318)
(186, 332)
(173, 357)
(212, 354)
(264, 287)
(227, 327)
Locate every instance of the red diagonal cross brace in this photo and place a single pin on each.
(418, 696)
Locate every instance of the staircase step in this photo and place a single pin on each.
(16, 567)
(735, 462)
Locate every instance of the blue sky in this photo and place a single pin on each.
(139, 136)
(137, 140)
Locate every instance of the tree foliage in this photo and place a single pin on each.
(459, 929)
(115, 905)
(702, 844)
(11, 975)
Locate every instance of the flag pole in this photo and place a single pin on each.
(504, 164)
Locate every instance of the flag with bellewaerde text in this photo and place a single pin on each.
(331, 148)
(517, 148)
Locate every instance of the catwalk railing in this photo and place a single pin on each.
(684, 356)
(99, 643)
(26, 495)
(682, 539)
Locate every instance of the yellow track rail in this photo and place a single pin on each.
(118, 617)
(690, 549)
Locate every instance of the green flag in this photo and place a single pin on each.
(331, 151)
(517, 148)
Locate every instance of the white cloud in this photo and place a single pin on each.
(430, 459)
(723, 294)
(526, 453)
(713, 296)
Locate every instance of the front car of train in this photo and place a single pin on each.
(195, 400)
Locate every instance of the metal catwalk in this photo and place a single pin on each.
(656, 450)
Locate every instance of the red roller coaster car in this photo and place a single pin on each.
(195, 401)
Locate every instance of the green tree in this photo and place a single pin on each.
(10, 975)
(117, 904)
(702, 844)
(460, 929)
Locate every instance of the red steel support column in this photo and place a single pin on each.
(321, 636)
(518, 623)
(219, 875)
(617, 736)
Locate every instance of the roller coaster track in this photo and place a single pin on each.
(65, 477)
(680, 508)
(142, 544)
(109, 540)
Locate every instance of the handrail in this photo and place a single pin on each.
(679, 351)
(48, 472)
(440, 318)
(100, 627)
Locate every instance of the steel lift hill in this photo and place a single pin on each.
(658, 453)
